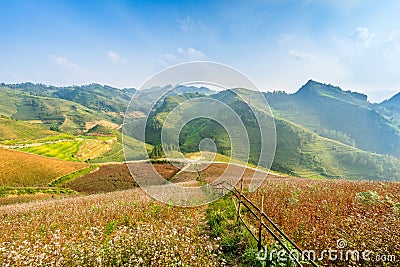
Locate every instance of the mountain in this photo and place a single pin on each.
(392, 103)
(94, 96)
(40, 104)
(145, 99)
(70, 108)
(391, 107)
(299, 151)
(344, 116)
(97, 97)
(322, 130)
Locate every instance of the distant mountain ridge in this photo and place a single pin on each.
(322, 130)
(71, 107)
(298, 150)
(338, 114)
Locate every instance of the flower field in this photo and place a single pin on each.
(315, 214)
(123, 228)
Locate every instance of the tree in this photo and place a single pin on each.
(157, 152)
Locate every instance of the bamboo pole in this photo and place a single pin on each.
(240, 197)
(259, 245)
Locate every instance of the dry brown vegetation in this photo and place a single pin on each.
(113, 177)
(24, 169)
(91, 124)
(316, 213)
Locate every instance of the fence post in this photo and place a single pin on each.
(259, 245)
(198, 173)
(240, 197)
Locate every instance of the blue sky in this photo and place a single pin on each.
(279, 44)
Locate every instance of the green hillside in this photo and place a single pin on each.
(322, 131)
(306, 154)
(69, 108)
(340, 115)
(299, 151)
(12, 129)
(93, 96)
(66, 115)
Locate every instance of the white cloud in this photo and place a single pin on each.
(191, 53)
(391, 36)
(362, 33)
(114, 57)
(170, 57)
(356, 44)
(301, 56)
(182, 55)
(63, 62)
(391, 45)
(362, 36)
(188, 24)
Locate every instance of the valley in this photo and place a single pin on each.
(65, 183)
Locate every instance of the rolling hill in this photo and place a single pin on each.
(69, 108)
(299, 151)
(340, 115)
(65, 115)
(12, 129)
(322, 130)
(93, 96)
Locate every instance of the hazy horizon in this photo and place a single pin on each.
(373, 97)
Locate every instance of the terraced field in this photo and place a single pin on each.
(133, 148)
(115, 154)
(21, 169)
(93, 148)
(62, 150)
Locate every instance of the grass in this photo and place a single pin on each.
(16, 191)
(66, 178)
(115, 154)
(236, 242)
(62, 150)
(11, 129)
(52, 138)
(127, 227)
(19, 169)
(133, 148)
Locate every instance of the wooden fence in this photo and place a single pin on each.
(262, 222)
